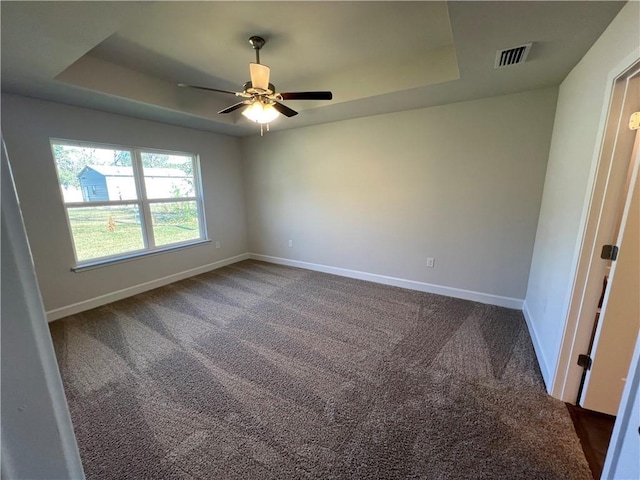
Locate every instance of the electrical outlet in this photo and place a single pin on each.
(431, 262)
(217, 244)
(291, 243)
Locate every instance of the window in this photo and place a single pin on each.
(124, 201)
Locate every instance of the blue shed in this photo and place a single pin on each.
(93, 184)
(103, 183)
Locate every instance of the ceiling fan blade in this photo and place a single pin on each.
(233, 107)
(283, 109)
(259, 76)
(307, 96)
(184, 85)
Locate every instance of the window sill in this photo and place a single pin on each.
(134, 256)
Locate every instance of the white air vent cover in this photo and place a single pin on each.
(512, 56)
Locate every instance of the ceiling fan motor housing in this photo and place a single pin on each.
(248, 88)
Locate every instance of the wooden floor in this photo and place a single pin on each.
(594, 430)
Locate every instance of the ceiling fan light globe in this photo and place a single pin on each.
(260, 113)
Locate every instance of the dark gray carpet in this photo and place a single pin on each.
(258, 371)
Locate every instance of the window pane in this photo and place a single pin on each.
(168, 176)
(90, 174)
(105, 231)
(175, 222)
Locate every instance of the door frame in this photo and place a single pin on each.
(38, 440)
(597, 217)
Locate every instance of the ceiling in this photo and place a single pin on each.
(376, 57)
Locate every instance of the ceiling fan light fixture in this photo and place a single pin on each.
(261, 112)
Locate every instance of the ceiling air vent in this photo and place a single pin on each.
(512, 56)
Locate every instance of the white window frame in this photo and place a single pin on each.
(142, 202)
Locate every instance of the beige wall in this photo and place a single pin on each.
(28, 124)
(570, 174)
(460, 182)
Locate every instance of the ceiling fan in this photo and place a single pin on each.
(261, 101)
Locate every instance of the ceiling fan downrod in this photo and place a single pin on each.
(257, 43)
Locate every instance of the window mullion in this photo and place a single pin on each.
(145, 210)
(173, 200)
(107, 203)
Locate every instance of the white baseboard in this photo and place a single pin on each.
(487, 298)
(143, 287)
(535, 339)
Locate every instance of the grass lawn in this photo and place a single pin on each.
(105, 231)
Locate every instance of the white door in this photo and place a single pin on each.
(619, 323)
(623, 456)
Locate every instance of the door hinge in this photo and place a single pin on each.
(584, 361)
(609, 252)
(634, 121)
